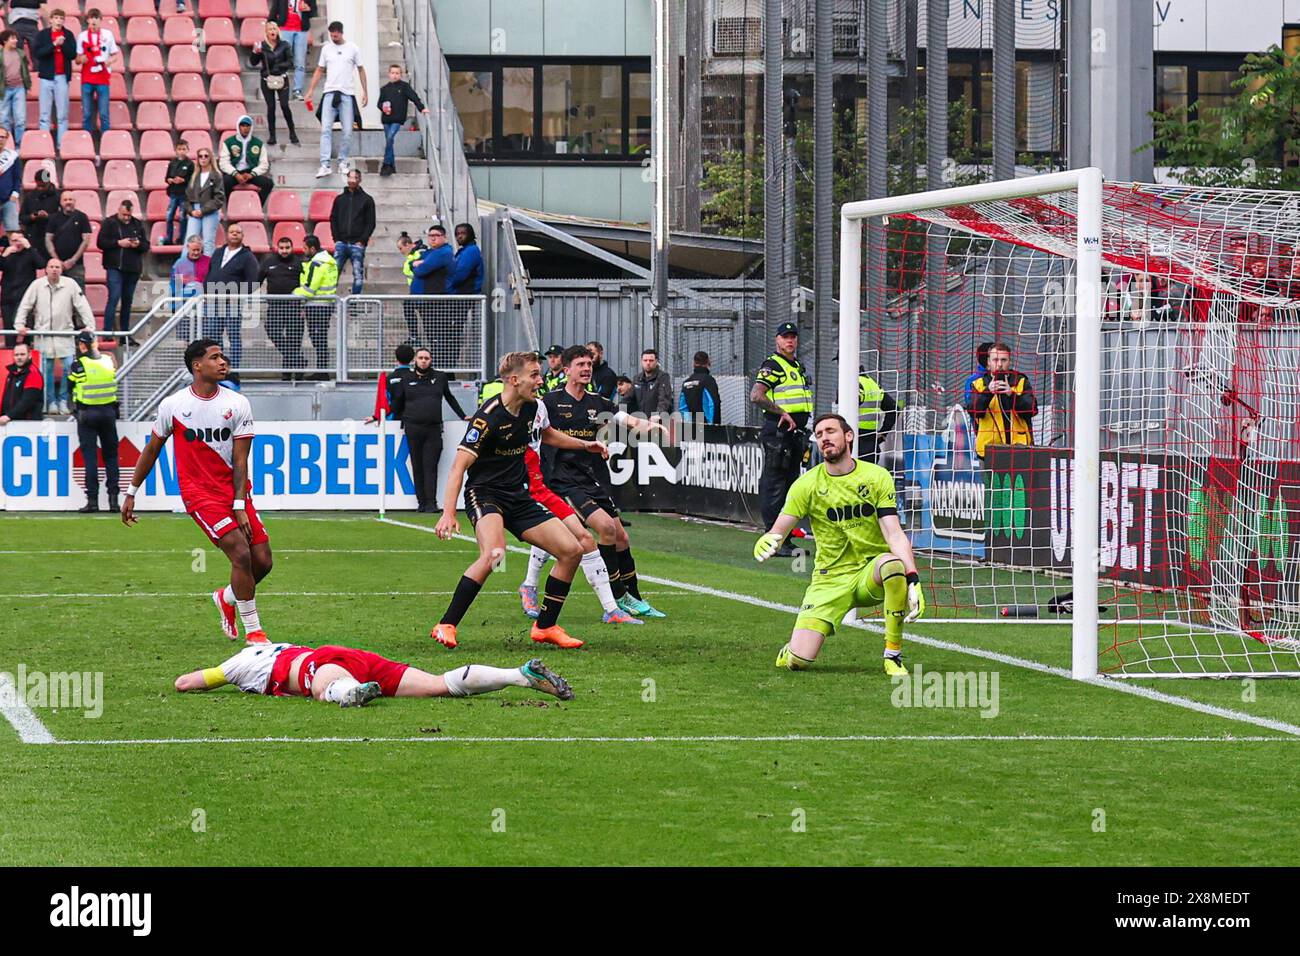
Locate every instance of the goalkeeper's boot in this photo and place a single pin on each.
(361, 695)
(554, 635)
(256, 637)
(545, 681)
(619, 616)
(528, 597)
(228, 625)
(445, 634)
(638, 607)
(790, 661)
(894, 666)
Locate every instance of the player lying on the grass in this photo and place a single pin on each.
(593, 565)
(863, 556)
(351, 678)
(212, 429)
(490, 462)
(582, 414)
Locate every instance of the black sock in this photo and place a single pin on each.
(609, 554)
(466, 591)
(627, 567)
(555, 593)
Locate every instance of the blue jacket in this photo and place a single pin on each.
(970, 383)
(12, 182)
(466, 276)
(424, 280)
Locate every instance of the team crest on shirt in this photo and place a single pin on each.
(591, 414)
(230, 413)
(472, 435)
(864, 492)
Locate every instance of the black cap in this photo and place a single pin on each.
(787, 328)
(86, 338)
(555, 350)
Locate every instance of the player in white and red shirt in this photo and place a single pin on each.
(352, 678)
(212, 428)
(593, 565)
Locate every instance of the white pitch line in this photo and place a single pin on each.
(1136, 690)
(705, 739)
(205, 594)
(278, 551)
(17, 713)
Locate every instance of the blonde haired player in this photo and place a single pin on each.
(863, 555)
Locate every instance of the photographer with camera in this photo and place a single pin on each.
(1001, 403)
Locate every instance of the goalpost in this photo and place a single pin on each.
(1155, 509)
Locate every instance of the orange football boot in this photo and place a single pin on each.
(554, 635)
(445, 634)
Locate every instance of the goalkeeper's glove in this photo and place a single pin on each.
(915, 598)
(767, 546)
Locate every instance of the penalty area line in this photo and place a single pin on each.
(20, 716)
(1121, 687)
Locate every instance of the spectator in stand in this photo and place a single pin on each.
(233, 276)
(294, 20)
(626, 394)
(981, 369)
(466, 276)
(338, 59)
(319, 285)
(24, 389)
(275, 57)
(700, 395)
(19, 264)
(11, 182)
(124, 243)
(54, 51)
(54, 304)
(38, 206)
(205, 196)
(654, 389)
(352, 223)
(1002, 403)
(190, 270)
(17, 81)
(395, 96)
(177, 177)
(603, 380)
(280, 271)
(244, 161)
(96, 50)
(67, 236)
(24, 19)
(429, 277)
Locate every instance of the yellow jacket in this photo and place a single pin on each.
(1002, 419)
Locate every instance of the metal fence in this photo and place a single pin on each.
(451, 326)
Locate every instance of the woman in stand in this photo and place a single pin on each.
(275, 57)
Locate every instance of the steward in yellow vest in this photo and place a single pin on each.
(1002, 403)
(94, 401)
(783, 390)
(877, 411)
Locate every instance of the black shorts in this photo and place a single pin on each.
(586, 499)
(519, 511)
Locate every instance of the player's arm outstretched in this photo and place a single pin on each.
(148, 458)
(901, 548)
(209, 678)
(565, 441)
(767, 544)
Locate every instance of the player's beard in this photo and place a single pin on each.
(834, 458)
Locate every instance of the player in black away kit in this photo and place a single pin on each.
(581, 414)
(491, 457)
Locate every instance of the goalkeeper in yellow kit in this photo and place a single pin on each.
(863, 556)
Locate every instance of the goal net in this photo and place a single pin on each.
(1128, 468)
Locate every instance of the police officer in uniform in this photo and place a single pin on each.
(877, 412)
(783, 390)
(554, 378)
(94, 401)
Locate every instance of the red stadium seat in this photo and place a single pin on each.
(97, 296)
(188, 86)
(94, 231)
(34, 91)
(178, 31)
(198, 139)
(106, 9)
(149, 88)
(217, 31)
(192, 116)
(37, 144)
(226, 88)
(284, 205)
(30, 170)
(77, 144)
(154, 116)
(142, 8)
(155, 175)
(320, 205)
(117, 144)
(169, 10)
(155, 209)
(251, 8)
(227, 115)
(326, 237)
(87, 202)
(72, 24)
(156, 144)
(243, 204)
(33, 112)
(158, 231)
(291, 230)
(255, 237)
(117, 87)
(110, 24)
(115, 199)
(146, 59)
(121, 174)
(223, 59)
(214, 8)
(119, 115)
(94, 260)
(184, 59)
(80, 174)
(252, 31)
(143, 30)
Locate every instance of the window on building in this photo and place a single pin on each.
(582, 110)
(471, 91)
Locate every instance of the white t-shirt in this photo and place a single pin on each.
(340, 60)
(250, 669)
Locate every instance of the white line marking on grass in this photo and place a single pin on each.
(29, 726)
(1118, 686)
(192, 594)
(702, 739)
(278, 551)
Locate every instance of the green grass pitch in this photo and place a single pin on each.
(657, 761)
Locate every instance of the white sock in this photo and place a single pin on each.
(248, 614)
(593, 566)
(537, 559)
(228, 595)
(480, 679)
(339, 688)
